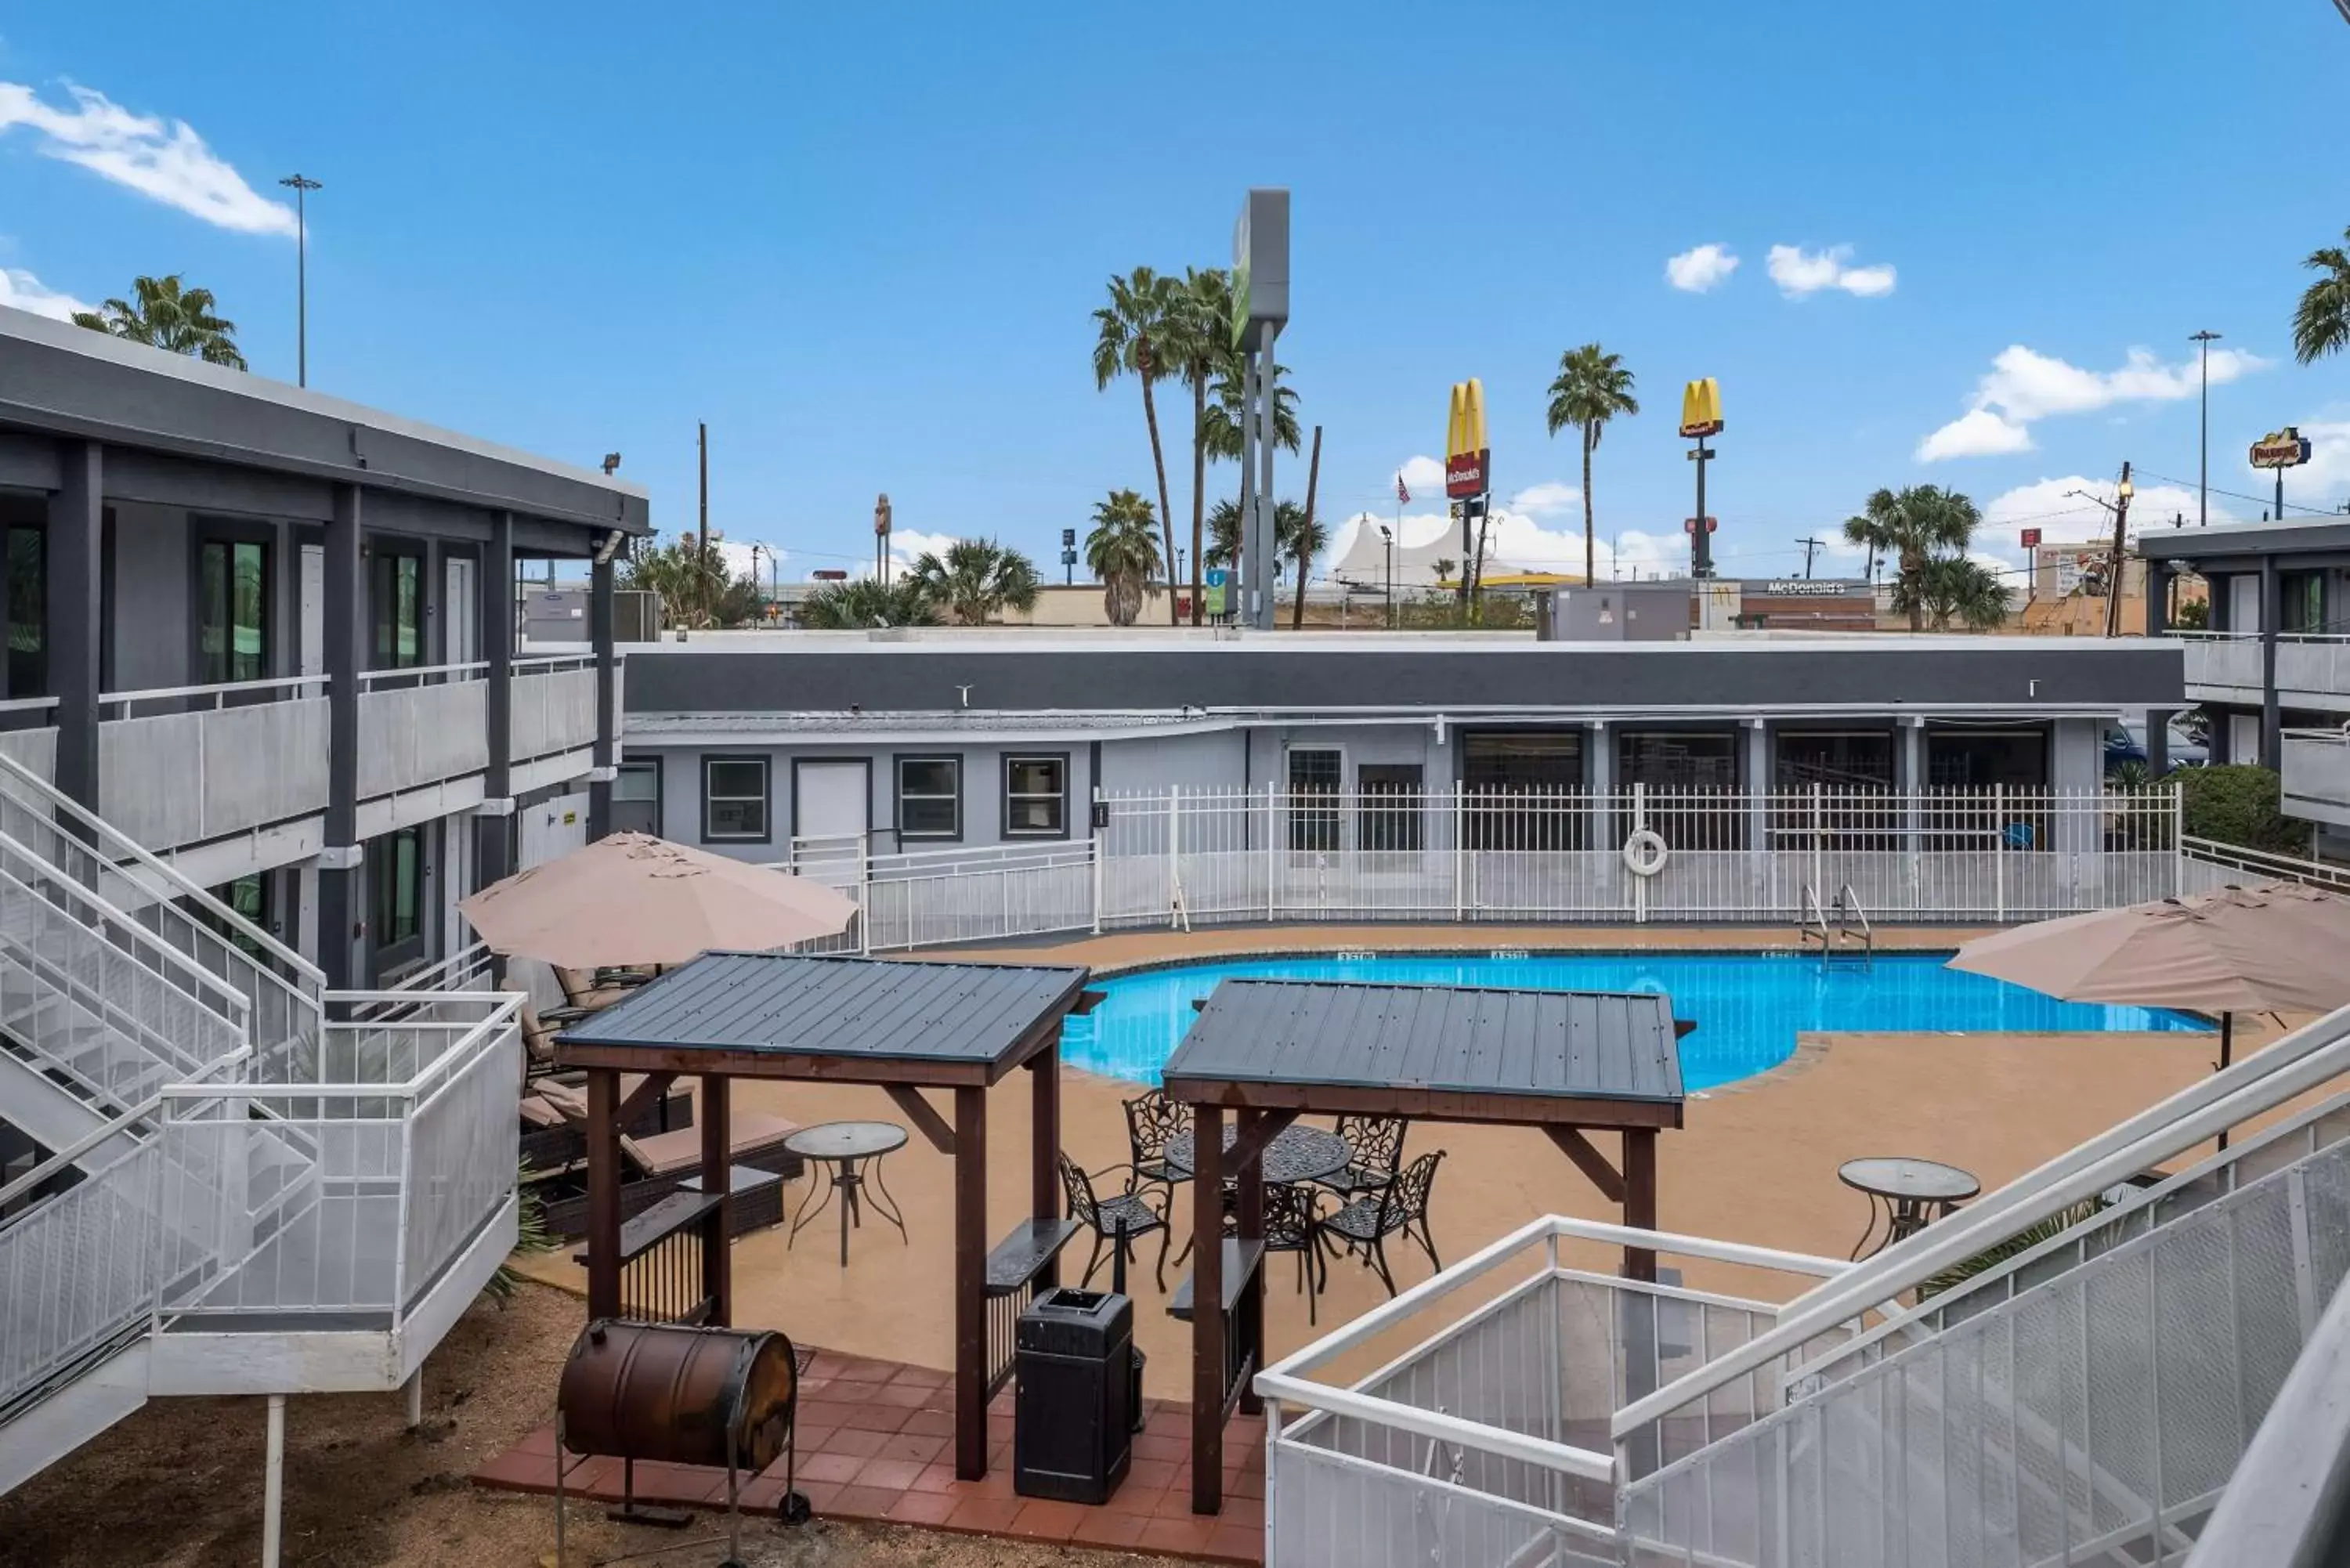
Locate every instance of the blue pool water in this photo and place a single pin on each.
(1748, 1007)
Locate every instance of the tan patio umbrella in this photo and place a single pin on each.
(2283, 948)
(632, 899)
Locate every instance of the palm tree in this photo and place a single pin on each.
(2322, 324)
(169, 317)
(1921, 525)
(1198, 344)
(863, 602)
(1222, 422)
(701, 594)
(1123, 553)
(1955, 588)
(1591, 388)
(1134, 326)
(977, 579)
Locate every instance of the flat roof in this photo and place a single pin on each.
(853, 1019)
(63, 380)
(1465, 1052)
(2222, 541)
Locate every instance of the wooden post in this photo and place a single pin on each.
(1250, 1314)
(1207, 1309)
(1640, 1198)
(603, 1193)
(717, 1229)
(1044, 1138)
(971, 1284)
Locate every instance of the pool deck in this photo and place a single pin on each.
(1756, 1161)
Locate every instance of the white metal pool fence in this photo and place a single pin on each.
(1182, 857)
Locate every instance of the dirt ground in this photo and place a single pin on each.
(178, 1485)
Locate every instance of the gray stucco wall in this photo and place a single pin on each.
(152, 593)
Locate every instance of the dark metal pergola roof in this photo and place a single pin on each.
(854, 1018)
(1453, 1052)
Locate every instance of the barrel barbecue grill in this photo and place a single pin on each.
(717, 1397)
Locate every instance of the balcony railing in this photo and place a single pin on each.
(553, 705)
(185, 765)
(2317, 774)
(2312, 667)
(420, 726)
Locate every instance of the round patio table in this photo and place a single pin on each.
(853, 1151)
(1904, 1196)
(1295, 1154)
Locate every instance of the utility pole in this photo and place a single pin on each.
(702, 544)
(2204, 340)
(1809, 545)
(301, 185)
(2114, 572)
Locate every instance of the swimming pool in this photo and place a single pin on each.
(1748, 1007)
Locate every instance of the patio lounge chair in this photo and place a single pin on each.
(1131, 1207)
(1378, 1146)
(1365, 1225)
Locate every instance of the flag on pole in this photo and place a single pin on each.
(1402, 495)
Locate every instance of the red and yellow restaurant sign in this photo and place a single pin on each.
(1467, 461)
(2287, 448)
(1701, 409)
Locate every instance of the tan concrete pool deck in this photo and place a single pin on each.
(1756, 1161)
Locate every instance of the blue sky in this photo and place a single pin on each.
(863, 241)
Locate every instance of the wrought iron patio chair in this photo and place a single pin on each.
(1293, 1225)
(1400, 1208)
(1377, 1143)
(1152, 1120)
(1133, 1207)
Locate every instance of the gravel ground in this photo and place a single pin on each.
(178, 1485)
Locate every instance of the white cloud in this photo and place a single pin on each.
(2065, 517)
(1423, 476)
(24, 292)
(908, 545)
(1979, 432)
(2023, 385)
(1702, 269)
(1799, 272)
(1551, 498)
(166, 160)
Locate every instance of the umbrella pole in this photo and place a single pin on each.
(2227, 1049)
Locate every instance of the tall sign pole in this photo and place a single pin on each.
(301, 185)
(1701, 417)
(1468, 471)
(1260, 309)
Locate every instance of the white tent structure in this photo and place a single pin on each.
(1364, 566)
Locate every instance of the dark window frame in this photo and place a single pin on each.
(385, 547)
(659, 773)
(1391, 808)
(898, 761)
(229, 532)
(1060, 759)
(391, 952)
(767, 764)
(1316, 830)
(33, 662)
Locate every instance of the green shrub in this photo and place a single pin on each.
(2238, 805)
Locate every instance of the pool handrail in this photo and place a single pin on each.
(2305, 1059)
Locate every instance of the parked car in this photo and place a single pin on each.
(2125, 743)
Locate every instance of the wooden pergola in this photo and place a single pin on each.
(1570, 1063)
(903, 1027)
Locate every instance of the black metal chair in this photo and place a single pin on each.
(1378, 1146)
(1292, 1225)
(1401, 1207)
(1131, 1207)
(1152, 1120)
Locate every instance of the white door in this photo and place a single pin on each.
(456, 881)
(831, 808)
(553, 829)
(314, 610)
(462, 607)
(2244, 602)
(2244, 737)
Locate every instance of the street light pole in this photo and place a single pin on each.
(301, 185)
(2203, 478)
(1388, 539)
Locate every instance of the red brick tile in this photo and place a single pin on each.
(939, 1478)
(1188, 1535)
(538, 1441)
(1046, 1519)
(912, 1446)
(1248, 1512)
(823, 1496)
(1102, 1528)
(1138, 1499)
(923, 1508)
(1233, 1543)
(987, 1515)
(1174, 1451)
(905, 1395)
(840, 1467)
(890, 1475)
(1249, 1483)
(1150, 1475)
(862, 1502)
(855, 1443)
(922, 1377)
(931, 1424)
(809, 1436)
(875, 1418)
(824, 1412)
(852, 1391)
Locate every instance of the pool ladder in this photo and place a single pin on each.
(1842, 929)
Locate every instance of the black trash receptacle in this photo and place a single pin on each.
(1072, 1436)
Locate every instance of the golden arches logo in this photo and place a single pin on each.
(1701, 409)
(1466, 459)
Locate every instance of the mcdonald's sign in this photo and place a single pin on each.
(1701, 409)
(1467, 461)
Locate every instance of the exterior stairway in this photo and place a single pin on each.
(232, 1194)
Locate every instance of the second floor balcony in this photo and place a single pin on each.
(2312, 668)
(2316, 775)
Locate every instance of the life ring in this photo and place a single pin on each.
(1645, 853)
